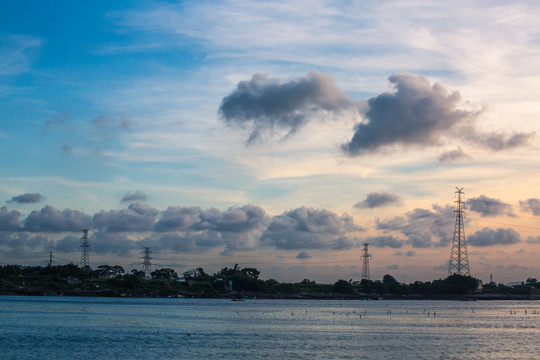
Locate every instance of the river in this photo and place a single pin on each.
(160, 328)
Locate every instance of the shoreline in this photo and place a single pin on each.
(254, 296)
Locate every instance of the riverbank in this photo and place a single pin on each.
(257, 295)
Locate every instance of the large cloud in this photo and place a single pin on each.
(137, 217)
(177, 218)
(487, 206)
(176, 228)
(308, 228)
(374, 200)
(421, 114)
(266, 104)
(235, 219)
(28, 198)
(237, 228)
(490, 237)
(49, 219)
(417, 113)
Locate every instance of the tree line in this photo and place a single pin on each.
(107, 280)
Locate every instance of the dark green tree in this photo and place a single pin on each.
(138, 273)
(164, 273)
(460, 284)
(343, 287)
(107, 271)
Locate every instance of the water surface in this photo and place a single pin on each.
(141, 328)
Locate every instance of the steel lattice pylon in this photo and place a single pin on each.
(146, 267)
(85, 249)
(365, 262)
(459, 258)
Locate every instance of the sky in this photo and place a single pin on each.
(269, 134)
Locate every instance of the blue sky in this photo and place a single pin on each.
(271, 134)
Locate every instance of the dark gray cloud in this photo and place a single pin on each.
(308, 228)
(490, 237)
(49, 219)
(532, 205)
(178, 229)
(303, 255)
(235, 219)
(453, 156)
(417, 113)
(100, 243)
(69, 243)
(177, 218)
(423, 228)
(265, 104)
(9, 220)
(487, 206)
(241, 219)
(420, 240)
(374, 200)
(240, 241)
(18, 243)
(28, 198)
(112, 243)
(237, 228)
(130, 197)
(136, 218)
(420, 114)
(384, 241)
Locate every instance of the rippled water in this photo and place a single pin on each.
(123, 328)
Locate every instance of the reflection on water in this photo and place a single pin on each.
(120, 328)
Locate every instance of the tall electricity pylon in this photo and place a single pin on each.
(146, 267)
(85, 249)
(365, 262)
(459, 259)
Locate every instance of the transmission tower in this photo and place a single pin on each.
(85, 249)
(146, 263)
(459, 259)
(365, 262)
